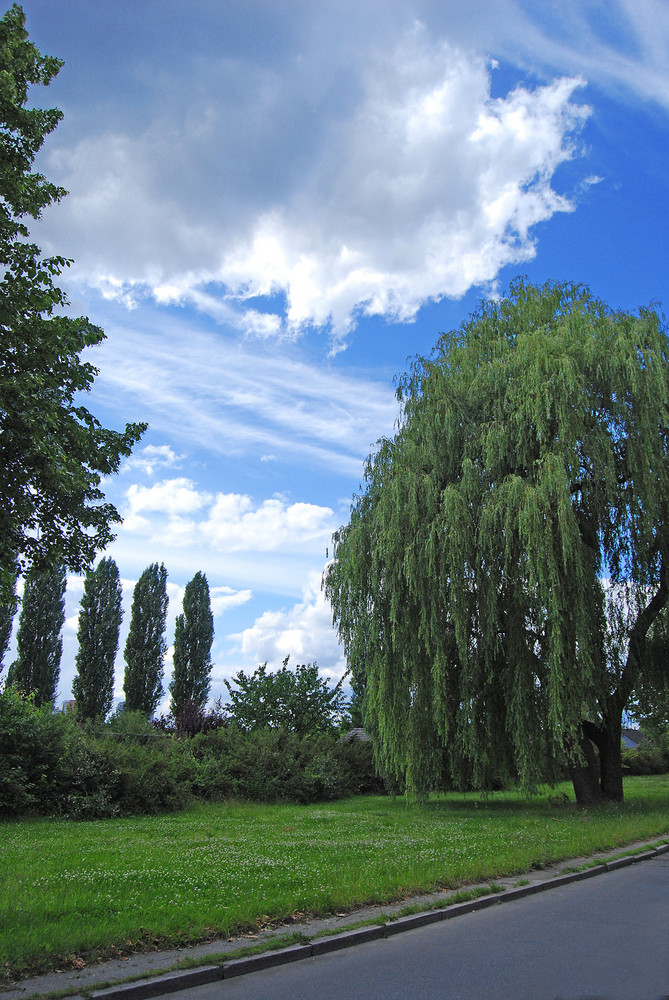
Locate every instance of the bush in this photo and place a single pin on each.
(271, 765)
(54, 766)
(649, 758)
(33, 743)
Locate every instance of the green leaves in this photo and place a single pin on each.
(193, 638)
(53, 452)
(99, 623)
(531, 459)
(146, 646)
(39, 645)
(298, 701)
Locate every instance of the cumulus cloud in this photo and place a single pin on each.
(237, 523)
(224, 598)
(229, 522)
(304, 632)
(400, 181)
(430, 189)
(172, 497)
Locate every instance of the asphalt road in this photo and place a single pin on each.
(606, 937)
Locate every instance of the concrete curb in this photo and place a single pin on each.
(173, 981)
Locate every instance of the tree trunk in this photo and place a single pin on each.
(611, 762)
(584, 774)
(607, 738)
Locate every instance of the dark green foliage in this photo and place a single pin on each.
(272, 765)
(39, 645)
(53, 766)
(298, 701)
(53, 452)
(650, 703)
(8, 605)
(530, 461)
(193, 719)
(32, 741)
(146, 645)
(99, 623)
(649, 758)
(193, 638)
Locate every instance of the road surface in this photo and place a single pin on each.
(605, 937)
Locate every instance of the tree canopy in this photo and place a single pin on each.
(99, 623)
(39, 644)
(193, 638)
(504, 564)
(53, 451)
(299, 700)
(146, 646)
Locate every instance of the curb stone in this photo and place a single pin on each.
(172, 982)
(361, 935)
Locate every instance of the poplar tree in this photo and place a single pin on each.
(193, 638)
(39, 643)
(146, 646)
(505, 563)
(8, 605)
(99, 623)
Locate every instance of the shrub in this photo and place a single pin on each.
(32, 743)
(56, 766)
(649, 758)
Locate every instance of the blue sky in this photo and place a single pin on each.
(273, 206)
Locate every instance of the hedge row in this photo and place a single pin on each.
(53, 766)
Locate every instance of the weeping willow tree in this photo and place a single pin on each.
(504, 564)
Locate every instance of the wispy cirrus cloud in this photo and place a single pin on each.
(208, 390)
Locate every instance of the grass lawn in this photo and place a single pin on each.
(71, 890)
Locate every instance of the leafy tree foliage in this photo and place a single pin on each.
(39, 645)
(146, 646)
(99, 623)
(53, 451)
(650, 701)
(503, 568)
(8, 608)
(193, 638)
(299, 700)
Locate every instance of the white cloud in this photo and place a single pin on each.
(237, 523)
(172, 497)
(304, 632)
(401, 182)
(208, 391)
(430, 188)
(224, 598)
(151, 458)
(228, 522)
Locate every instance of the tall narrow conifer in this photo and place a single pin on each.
(8, 607)
(146, 646)
(193, 638)
(39, 644)
(99, 623)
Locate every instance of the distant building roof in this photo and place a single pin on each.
(356, 734)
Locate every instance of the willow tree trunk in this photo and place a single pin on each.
(606, 738)
(584, 773)
(611, 762)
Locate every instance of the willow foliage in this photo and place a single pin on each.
(529, 466)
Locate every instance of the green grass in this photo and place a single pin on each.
(73, 890)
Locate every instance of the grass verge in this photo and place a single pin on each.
(71, 893)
